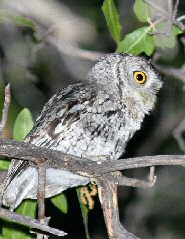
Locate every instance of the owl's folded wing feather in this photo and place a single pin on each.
(62, 110)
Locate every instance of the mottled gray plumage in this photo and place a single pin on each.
(94, 119)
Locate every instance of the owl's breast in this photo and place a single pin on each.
(102, 131)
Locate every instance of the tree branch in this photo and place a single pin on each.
(107, 191)
(97, 171)
(78, 165)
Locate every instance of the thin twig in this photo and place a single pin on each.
(181, 18)
(133, 182)
(175, 10)
(5, 109)
(41, 192)
(178, 135)
(27, 221)
(171, 18)
(41, 196)
(158, 8)
(170, 6)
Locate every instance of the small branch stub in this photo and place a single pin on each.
(5, 109)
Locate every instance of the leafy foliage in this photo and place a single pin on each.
(163, 40)
(4, 164)
(141, 10)
(85, 213)
(14, 231)
(141, 40)
(60, 201)
(137, 42)
(23, 125)
(16, 19)
(112, 19)
(165, 37)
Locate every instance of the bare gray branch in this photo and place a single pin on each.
(27, 221)
(5, 109)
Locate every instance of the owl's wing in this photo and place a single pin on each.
(61, 111)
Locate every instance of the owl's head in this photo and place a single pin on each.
(130, 77)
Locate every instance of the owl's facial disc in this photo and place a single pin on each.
(143, 82)
(146, 87)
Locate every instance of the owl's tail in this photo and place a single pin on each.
(24, 185)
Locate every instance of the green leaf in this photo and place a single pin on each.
(15, 231)
(60, 201)
(112, 19)
(137, 42)
(23, 125)
(141, 10)
(28, 208)
(164, 40)
(16, 19)
(4, 164)
(84, 211)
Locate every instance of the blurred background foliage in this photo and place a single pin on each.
(37, 66)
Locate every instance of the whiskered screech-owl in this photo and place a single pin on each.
(94, 119)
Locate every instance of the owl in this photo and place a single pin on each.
(94, 119)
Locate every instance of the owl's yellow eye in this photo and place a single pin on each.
(139, 77)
